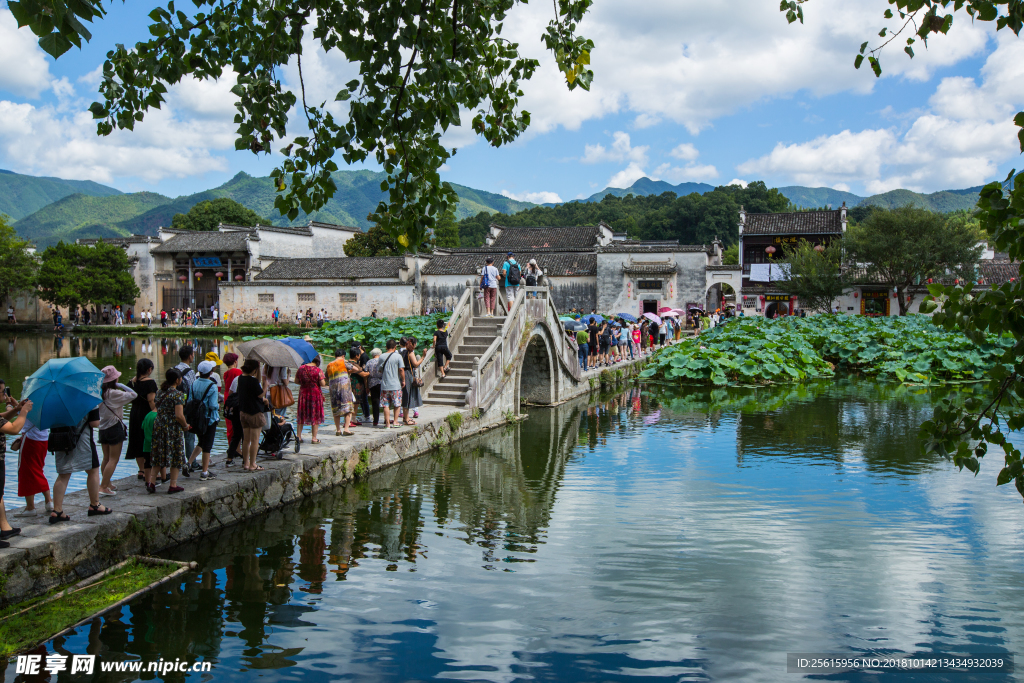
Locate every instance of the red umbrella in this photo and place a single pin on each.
(664, 309)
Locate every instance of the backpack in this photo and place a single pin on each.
(195, 411)
(531, 279)
(514, 274)
(65, 439)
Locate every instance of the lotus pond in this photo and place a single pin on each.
(758, 350)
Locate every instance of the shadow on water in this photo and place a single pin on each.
(635, 534)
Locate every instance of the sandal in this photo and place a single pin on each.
(59, 516)
(337, 433)
(314, 440)
(348, 433)
(175, 489)
(258, 468)
(95, 510)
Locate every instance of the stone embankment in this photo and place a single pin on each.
(48, 555)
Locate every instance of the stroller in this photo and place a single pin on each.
(277, 437)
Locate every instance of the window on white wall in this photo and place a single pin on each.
(265, 298)
(347, 297)
(307, 296)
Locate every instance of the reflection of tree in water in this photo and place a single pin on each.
(875, 423)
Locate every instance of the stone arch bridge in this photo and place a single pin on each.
(522, 353)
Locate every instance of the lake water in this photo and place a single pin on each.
(655, 535)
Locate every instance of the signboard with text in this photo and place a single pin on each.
(206, 262)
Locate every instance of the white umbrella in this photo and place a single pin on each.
(273, 352)
(653, 318)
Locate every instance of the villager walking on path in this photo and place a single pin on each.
(359, 377)
(311, 400)
(252, 403)
(145, 388)
(168, 448)
(112, 429)
(231, 420)
(340, 391)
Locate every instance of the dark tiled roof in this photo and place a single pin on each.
(376, 267)
(799, 223)
(332, 226)
(734, 267)
(520, 239)
(996, 273)
(204, 241)
(651, 247)
(131, 239)
(551, 263)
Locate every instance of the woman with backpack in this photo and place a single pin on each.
(203, 415)
(532, 277)
(168, 450)
(112, 430)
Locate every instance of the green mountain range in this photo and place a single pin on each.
(82, 215)
(21, 195)
(816, 197)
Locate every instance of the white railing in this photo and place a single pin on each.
(462, 316)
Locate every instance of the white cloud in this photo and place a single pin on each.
(621, 150)
(534, 197)
(688, 173)
(177, 140)
(959, 142)
(627, 176)
(694, 62)
(26, 71)
(737, 181)
(685, 151)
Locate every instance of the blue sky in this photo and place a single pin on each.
(713, 92)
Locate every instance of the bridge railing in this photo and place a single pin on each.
(462, 316)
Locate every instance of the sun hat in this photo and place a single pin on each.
(110, 373)
(213, 358)
(206, 366)
(533, 262)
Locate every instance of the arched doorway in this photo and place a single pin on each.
(537, 377)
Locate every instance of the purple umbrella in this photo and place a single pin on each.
(653, 318)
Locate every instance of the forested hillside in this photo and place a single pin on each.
(691, 219)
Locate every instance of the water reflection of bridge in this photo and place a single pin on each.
(495, 492)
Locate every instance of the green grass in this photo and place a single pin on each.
(19, 632)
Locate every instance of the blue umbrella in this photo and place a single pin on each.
(62, 392)
(627, 316)
(594, 317)
(301, 347)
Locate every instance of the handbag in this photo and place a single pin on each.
(16, 444)
(281, 396)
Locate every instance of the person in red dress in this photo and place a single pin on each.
(311, 400)
(230, 362)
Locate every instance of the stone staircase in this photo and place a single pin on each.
(451, 389)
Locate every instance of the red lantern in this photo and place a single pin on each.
(199, 275)
(855, 295)
(769, 250)
(219, 275)
(895, 295)
(182, 278)
(929, 280)
(239, 278)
